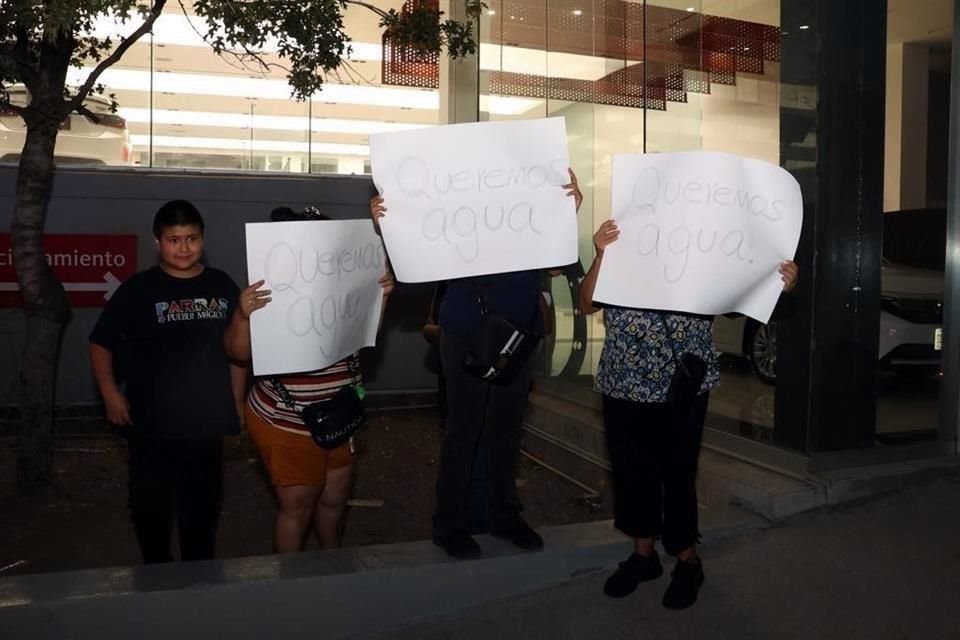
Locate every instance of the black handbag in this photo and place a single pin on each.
(687, 381)
(688, 376)
(332, 422)
(498, 350)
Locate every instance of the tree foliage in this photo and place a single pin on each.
(36, 38)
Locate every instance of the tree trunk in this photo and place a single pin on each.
(44, 302)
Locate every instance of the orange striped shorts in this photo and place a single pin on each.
(293, 459)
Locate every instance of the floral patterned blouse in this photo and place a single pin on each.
(640, 351)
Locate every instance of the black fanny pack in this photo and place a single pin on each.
(688, 376)
(498, 350)
(687, 381)
(332, 422)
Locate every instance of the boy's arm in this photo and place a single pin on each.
(107, 335)
(116, 404)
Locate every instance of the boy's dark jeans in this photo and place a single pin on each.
(175, 477)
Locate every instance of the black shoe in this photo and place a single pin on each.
(686, 581)
(521, 536)
(631, 572)
(459, 545)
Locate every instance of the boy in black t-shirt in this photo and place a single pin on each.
(163, 328)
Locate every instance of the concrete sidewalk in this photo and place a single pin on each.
(884, 569)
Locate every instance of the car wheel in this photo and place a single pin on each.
(762, 351)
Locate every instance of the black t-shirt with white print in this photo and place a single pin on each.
(166, 336)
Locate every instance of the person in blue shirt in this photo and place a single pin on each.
(654, 446)
(480, 414)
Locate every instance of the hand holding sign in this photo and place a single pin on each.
(572, 189)
(707, 232)
(377, 210)
(790, 274)
(253, 298)
(606, 235)
(387, 283)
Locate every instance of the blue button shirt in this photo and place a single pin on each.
(513, 296)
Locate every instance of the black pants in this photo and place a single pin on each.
(653, 452)
(442, 396)
(176, 477)
(478, 412)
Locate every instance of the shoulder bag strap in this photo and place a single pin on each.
(353, 364)
(284, 394)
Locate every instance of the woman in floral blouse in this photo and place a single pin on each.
(654, 447)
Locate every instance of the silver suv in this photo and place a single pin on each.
(911, 333)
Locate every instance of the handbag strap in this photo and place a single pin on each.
(284, 394)
(353, 365)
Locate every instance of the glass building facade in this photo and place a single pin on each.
(853, 98)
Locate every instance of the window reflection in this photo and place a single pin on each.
(182, 106)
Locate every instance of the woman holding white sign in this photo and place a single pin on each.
(656, 372)
(312, 482)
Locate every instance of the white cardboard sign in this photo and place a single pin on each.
(700, 232)
(326, 299)
(473, 199)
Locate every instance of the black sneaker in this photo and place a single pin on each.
(686, 581)
(459, 545)
(631, 572)
(521, 536)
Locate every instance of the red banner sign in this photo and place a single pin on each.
(91, 267)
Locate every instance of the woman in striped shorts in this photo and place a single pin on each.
(312, 484)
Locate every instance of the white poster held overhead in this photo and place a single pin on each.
(326, 300)
(700, 232)
(473, 199)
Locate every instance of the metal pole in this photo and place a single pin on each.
(150, 124)
(950, 385)
(645, 93)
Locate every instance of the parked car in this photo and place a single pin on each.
(80, 141)
(911, 319)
